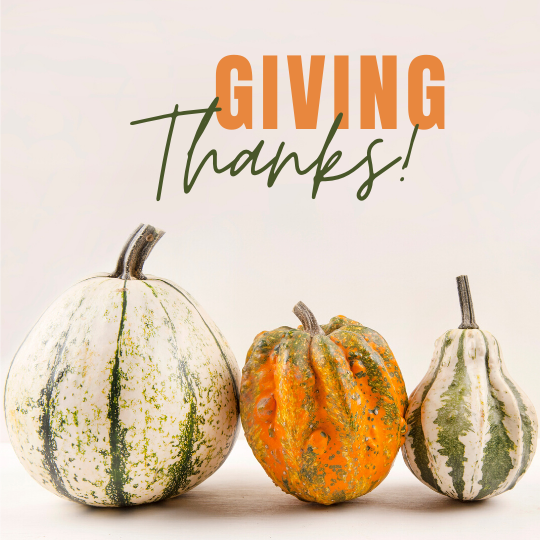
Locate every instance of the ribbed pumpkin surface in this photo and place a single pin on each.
(323, 414)
(472, 431)
(123, 393)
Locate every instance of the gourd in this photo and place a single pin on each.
(472, 431)
(322, 407)
(124, 392)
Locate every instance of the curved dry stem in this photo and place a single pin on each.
(136, 251)
(308, 320)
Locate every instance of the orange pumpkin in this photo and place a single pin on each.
(322, 407)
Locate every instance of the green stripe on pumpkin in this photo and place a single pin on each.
(526, 426)
(46, 432)
(119, 475)
(183, 468)
(416, 431)
(496, 460)
(183, 367)
(453, 418)
(223, 355)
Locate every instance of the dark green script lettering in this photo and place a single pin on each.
(274, 166)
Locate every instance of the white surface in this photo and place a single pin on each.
(240, 501)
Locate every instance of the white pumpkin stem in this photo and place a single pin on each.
(308, 320)
(136, 251)
(465, 301)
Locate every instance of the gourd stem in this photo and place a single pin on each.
(308, 320)
(136, 251)
(465, 301)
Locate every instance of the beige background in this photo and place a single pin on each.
(77, 178)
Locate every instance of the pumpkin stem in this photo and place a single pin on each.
(135, 252)
(308, 320)
(465, 301)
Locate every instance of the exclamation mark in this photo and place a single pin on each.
(410, 150)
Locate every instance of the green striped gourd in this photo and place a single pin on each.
(124, 392)
(472, 431)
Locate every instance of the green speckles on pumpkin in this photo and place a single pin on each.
(453, 419)
(336, 323)
(374, 368)
(223, 355)
(387, 357)
(79, 446)
(183, 366)
(311, 473)
(147, 325)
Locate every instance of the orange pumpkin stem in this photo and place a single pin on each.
(465, 301)
(308, 320)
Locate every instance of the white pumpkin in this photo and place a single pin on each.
(125, 391)
(472, 431)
